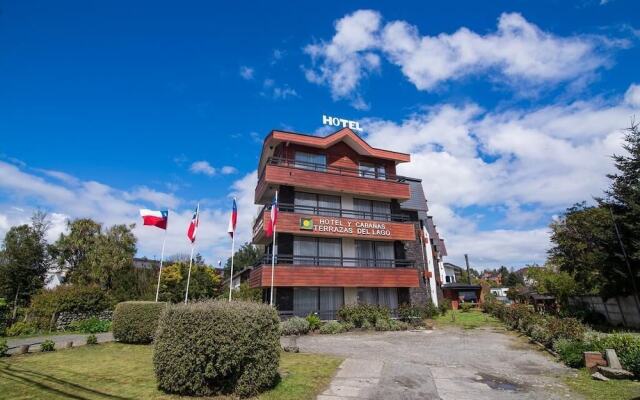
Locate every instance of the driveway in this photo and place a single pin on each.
(447, 363)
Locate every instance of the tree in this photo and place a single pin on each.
(205, 282)
(549, 280)
(24, 261)
(475, 276)
(247, 255)
(72, 250)
(513, 280)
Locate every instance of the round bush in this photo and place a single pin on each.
(295, 326)
(217, 347)
(136, 321)
(332, 328)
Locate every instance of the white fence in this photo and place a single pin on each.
(618, 310)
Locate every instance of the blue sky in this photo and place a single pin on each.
(509, 108)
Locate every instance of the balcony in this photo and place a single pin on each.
(335, 272)
(283, 171)
(335, 222)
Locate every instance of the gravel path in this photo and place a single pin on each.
(78, 339)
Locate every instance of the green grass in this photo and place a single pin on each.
(467, 320)
(119, 371)
(597, 390)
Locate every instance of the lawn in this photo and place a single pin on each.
(596, 390)
(467, 320)
(119, 371)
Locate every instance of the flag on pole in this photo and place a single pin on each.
(233, 218)
(193, 226)
(274, 216)
(155, 218)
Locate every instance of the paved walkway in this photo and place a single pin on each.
(447, 364)
(78, 339)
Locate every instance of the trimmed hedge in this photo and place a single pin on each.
(363, 315)
(136, 321)
(295, 326)
(217, 347)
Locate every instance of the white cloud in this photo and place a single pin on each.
(246, 72)
(517, 53)
(277, 92)
(23, 192)
(524, 163)
(202, 167)
(228, 170)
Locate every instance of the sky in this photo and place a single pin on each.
(510, 110)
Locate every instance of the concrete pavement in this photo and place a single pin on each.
(78, 339)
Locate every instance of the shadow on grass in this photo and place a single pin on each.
(25, 376)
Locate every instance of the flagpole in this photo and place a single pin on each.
(233, 242)
(186, 295)
(161, 260)
(273, 251)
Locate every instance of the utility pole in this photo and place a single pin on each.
(466, 260)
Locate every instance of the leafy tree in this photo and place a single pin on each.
(550, 280)
(72, 250)
(475, 276)
(205, 282)
(24, 261)
(513, 280)
(246, 256)
(244, 292)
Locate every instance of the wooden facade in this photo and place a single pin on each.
(313, 276)
(338, 227)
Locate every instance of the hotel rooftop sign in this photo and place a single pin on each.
(341, 123)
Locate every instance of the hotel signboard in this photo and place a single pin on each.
(345, 226)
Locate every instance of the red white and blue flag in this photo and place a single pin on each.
(274, 216)
(233, 219)
(155, 218)
(193, 226)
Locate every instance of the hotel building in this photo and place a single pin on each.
(349, 229)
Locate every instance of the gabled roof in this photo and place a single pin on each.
(323, 142)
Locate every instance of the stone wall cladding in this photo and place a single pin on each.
(413, 251)
(66, 318)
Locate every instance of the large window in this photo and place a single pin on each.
(315, 162)
(372, 209)
(369, 170)
(320, 204)
(381, 296)
(317, 251)
(324, 301)
(375, 254)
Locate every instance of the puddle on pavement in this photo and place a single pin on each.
(499, 383)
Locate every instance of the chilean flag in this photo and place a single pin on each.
(155, 218)
(193, 226)
(274, 216)
(233, 219)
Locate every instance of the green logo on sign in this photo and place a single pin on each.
(306, 224)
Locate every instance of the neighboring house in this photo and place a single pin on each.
(349, 229)
(499, 291)
(145, 263)
(495, 277)
(452, 273)
(53, 279)
(524, 273)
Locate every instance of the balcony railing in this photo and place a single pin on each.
(324, 168)
(346, 262)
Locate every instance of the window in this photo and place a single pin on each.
(325, 301)
(315, 162)
(369, 170)
(381, 296)
(372, 209)
(375, 254)
(319, 204)
(317, 251)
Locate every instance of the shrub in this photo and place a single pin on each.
(383, 325)
(414, 314)
(395, 325)
(70, 298)
(4, 316)
(357, 314)
(47, 345)
(444, 306)
(565, 328)
(314, 321)
(295, 326)
(90, 325)
(570, 351)
(331, 328)
(92, 339)
(22, 328)
(217, 347)
(4, 347)
(366, 325)
(540, 334)
(347, 326)
(136, 321)
(466, 307)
